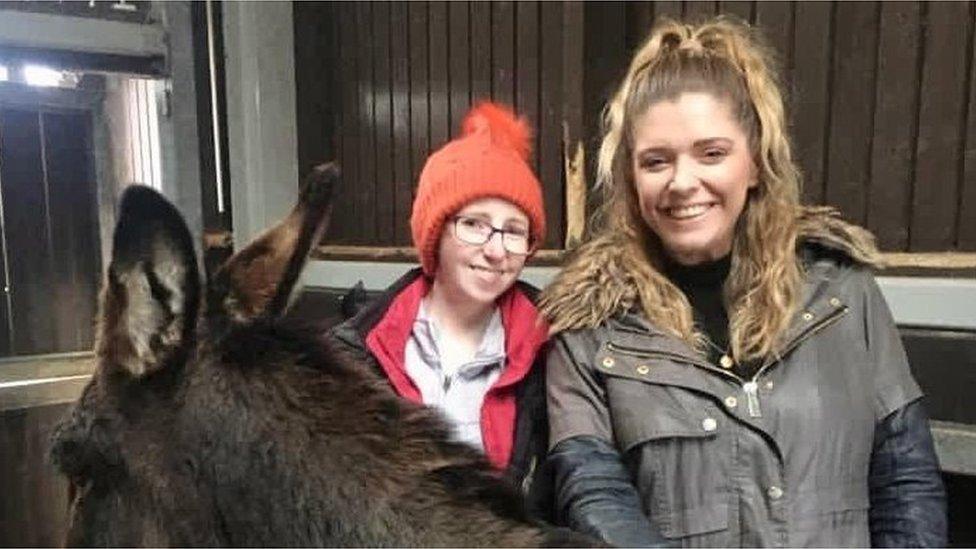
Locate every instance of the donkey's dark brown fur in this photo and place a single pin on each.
(223, 426)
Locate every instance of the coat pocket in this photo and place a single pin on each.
(677, 446)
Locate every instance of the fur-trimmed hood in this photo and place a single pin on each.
(595, 283)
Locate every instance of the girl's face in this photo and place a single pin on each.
(482, 272)
(692, 171)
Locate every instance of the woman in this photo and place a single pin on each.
(726, 371)
(460, 333)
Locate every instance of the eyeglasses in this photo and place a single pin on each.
(476, 232)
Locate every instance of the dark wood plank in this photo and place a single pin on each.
(940, 127)
(895, 112)
(459, 63)
(14, 522)
(33, 509)
(527, 60)
(46, 492)
(383, 192)
(775, 18)
(28, 231)
(364, 191)
(71, 197)
(316, 91)
(550, 114)
(640, 19)
(419, 107)
(440, 117)
(403, 177)
(966, 225)
(699, 10)
(345, 217)
(811, 99)
(852, 107)
(742, 9)
(574, 182)
(671, 8)
(480, 50)
(503, 51)
(605, 56)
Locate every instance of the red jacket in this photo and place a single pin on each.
(525, 334)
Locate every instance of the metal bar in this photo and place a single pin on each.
(214, 113)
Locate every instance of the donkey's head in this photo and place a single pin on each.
(175, 392)
(209, 422)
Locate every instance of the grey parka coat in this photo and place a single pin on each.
(780, 459)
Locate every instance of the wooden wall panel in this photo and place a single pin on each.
(550, 118)
(51, 230)
(365, 187)
(895, 124)
(851, 111)
(881, 100)
(776, 19)
(481, 44)
(407, 73)
(28, 231)
(419, 88)
(503, 52)
(33, 509)
(344, 219)
(966, 226)
(74, 229)
(383, 192)
(742, 9)
(527, 69)
(697, 11)
(810, 94)
(941, 121)
(459, 55)
(403, 175)
(440, 116)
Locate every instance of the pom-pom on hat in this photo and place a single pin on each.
(489, 159)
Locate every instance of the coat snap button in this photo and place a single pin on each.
(726, 362)
(642, 370)
(731, 401)
(769, 386)
(834, 301)
(774, 492)
(709, 424)
(608, 362)
(808, 316)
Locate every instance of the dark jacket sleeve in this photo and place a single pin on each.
(595, 496)
(908, 502)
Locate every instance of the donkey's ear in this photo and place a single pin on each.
(259, 279)
(152, 290)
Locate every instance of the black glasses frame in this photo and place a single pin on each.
(488, 237)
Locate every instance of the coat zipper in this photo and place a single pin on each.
(749, 387)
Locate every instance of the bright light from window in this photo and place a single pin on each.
(37, 75)
(4, 73)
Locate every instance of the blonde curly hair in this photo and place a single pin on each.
(731, 61)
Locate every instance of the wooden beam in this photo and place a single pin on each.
(934, 261)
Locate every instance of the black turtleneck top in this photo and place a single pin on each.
(703, 285)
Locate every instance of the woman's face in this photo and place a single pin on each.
(483, 272)
(692, 170)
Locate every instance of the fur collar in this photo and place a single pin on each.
(595, 284)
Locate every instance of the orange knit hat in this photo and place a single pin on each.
(489, 159)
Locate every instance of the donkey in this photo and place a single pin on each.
(212, 421)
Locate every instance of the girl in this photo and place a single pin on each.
(460, 333)
(726, 370)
